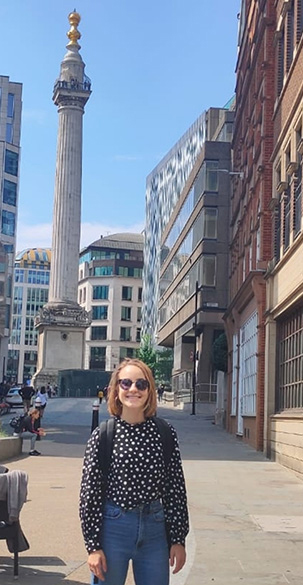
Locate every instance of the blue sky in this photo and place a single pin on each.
(154, 66)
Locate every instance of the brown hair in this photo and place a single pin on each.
(34, 411)
(113, 403)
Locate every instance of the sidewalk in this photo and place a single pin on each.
(246, 512)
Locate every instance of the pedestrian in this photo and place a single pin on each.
(26, 393)
(100, 395)
(31, 430)
(49, 390)
(41, 399)
(105, 389)
(160, 392)
(139, 511)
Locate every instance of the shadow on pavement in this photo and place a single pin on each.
(28, 573)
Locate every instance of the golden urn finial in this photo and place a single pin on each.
(73, 34)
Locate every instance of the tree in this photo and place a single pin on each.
(147, 354)
(165, 361)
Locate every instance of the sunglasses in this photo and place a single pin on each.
(141, 384)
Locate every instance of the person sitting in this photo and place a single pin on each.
(31, 430)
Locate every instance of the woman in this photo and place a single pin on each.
(41, 400)
(144, 501)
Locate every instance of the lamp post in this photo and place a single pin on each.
(195, 326)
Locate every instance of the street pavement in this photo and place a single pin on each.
(246, 512)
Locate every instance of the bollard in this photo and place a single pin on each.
(95, 417)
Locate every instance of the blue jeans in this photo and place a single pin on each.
(138, 535)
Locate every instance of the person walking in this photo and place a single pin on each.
(139, 511)
(30, 429)
(41, 400)
(26, 393)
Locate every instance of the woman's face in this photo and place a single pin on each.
(131, 396)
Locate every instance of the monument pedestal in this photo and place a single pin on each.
(61, 328)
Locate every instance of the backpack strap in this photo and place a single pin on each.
(166, 438)
(107, 431)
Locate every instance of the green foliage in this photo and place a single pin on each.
(220, 353)
(147, 354)
(165, 361)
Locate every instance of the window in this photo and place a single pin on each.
(138, 334)
(80, 295)
(9, 133)
(140, 294)
(84, 295)
(127, 352)
(126, 313)
(208, 266)
(139, 314)
(11, 162)
(100, 292)
(209, 173)
(9, 192)
(248, 364)
(209, 219)
(97, 358)
(234, 375)
(103, 270)
(122, 270)
(127, 293)
(10, 105)
(100, 312)
(38, 277)
(8, 223)
(99, 333)
(290, 378)
(125, 334)
(19, 275)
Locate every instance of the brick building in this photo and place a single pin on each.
(250, 220)
(284, 321)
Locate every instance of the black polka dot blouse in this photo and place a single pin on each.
(137, 475)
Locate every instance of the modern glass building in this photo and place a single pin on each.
(10, 127)
(110, 286)
(163, 188)
(30, 293)
(192, 247)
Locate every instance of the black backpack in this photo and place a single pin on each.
(107, 431)
(17, 423)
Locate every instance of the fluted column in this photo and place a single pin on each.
(67, 206)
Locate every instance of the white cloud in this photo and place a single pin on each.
(40, 235)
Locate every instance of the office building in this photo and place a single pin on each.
(30, 293)
(110, 289)
(10, 128)
(194, 252)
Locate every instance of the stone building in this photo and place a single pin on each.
(110, 289)
(250, 247)
(284, 306)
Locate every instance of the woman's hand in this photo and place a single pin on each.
(97, 563)
(177, 557)
(41, 432)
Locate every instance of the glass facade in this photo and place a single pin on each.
(9, 192)
(203, 271)
(8, 223)
(99, 312)
(11, 162)
(100, 292)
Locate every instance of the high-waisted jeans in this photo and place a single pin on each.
(138, 535)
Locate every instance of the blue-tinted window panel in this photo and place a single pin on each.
(11, 162)
(9, 192)
(10, 105)
(9, 248)
(8, 223)
(9, 132)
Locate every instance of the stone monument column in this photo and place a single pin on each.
(62, 322)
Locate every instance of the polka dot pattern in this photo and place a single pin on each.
(137, 476)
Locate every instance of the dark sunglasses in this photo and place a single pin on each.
(141, 384)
